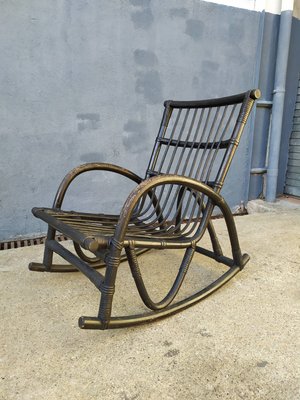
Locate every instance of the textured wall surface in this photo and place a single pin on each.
(85, 81)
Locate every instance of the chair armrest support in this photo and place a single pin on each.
(63, 187)
(148, 184)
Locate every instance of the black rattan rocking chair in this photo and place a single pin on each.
(170, 208)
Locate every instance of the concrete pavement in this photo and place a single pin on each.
(243, 342)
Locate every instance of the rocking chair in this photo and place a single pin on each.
(171, 208)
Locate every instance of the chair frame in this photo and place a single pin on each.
(109, 249)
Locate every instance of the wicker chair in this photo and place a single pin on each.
(171, 208)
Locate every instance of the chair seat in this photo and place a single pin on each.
(103, 225)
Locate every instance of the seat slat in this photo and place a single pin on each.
(69, 224)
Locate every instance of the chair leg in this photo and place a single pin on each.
(214, 240)
(137, 276)
(47, 263)
(48, 253)
(239, 259)
(108, 287)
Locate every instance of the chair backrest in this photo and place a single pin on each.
(198, 139)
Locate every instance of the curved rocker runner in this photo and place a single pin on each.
(170, 208)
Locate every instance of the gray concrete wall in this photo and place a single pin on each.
(85, 81)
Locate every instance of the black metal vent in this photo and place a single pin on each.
(16, 243)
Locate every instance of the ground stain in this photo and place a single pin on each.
(172, 353)
(262, 364)
(203, 332)
(125, 396)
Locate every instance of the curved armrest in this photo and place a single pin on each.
(148, 184)
(90, 167)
